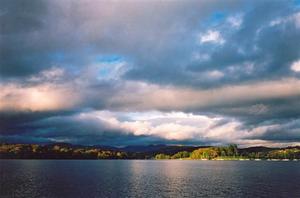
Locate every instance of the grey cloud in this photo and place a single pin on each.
(257, 112)
(92, 131)
(17, 17)
(270, 49)
(72, 33)
(159, 46)
(18, 122)
(288, 131)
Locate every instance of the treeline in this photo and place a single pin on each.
(57, 151)
(204, 153)
(68, 151)
(232, 152)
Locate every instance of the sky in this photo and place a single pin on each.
(150, 72)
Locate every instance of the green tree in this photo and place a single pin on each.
(232, 150)
(181, 154)
(162, 156)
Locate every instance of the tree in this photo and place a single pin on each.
(205, 153)
(162, 156)
(232, 150)
(181, 154)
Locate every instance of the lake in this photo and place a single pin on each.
(148, 178)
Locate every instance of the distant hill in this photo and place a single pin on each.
(169, 149)
(257, 149)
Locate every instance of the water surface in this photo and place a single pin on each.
(147, 178)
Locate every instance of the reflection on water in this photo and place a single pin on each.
(141, 178)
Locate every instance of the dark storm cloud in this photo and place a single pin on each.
(253, 43)
(19, 16)
(70, 34)
(288, 131)
(77, 129)
(41, 34)
(18, 122)
(268, 49)
(19, 19)
(254, 113)
(33, 37)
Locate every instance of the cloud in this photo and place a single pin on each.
(286, 132)
(52, 74)
(167, 98)
(63, 111)
(296, 66)
(70, 33)
(215, 74)
(252, 44)
(294, 18)
(88, 91)
(107, 126)
(121, 128)
(235, 21)
(211, 37)
(42, 97)
(18, 17)
(126, 29)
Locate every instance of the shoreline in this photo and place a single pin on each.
(182, 159)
